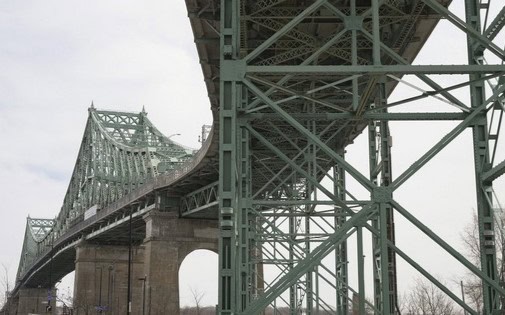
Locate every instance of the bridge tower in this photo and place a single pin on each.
(299, 80)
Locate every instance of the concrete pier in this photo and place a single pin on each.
(35, 301)
(169, 240)
(101, 279)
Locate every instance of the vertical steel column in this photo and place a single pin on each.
(230, 100)
(386, 295)
(312, 194)
(342, 280)
(354, 57)
(373, 150)
(361, 272)
(245, 220)
(482, 164)
(309, 289)
(294, 226)
(292, 230)
(387, 256)
(386, 179)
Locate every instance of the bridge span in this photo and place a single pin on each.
(126, 173)
(291, 84)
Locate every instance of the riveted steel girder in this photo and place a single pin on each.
(304, 83)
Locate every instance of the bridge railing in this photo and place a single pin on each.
(186, 167)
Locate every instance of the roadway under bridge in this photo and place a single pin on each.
(291, 83)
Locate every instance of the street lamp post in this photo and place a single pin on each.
(49, 290)
(100, 307)
(129, 298)
(173, 135)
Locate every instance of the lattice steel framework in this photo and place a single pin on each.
(298, 81)
(119, 152)
(35, 232)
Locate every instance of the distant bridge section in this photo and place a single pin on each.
(119, 152)
(125, 169)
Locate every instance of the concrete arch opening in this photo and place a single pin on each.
(65, 290)
(198, 280)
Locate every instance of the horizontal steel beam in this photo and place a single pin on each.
(379, 69)
(365, 116)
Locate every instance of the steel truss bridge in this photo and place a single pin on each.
(291, 84)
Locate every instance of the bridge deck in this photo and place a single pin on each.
(405, 27)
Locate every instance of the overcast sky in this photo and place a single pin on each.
(56, 57)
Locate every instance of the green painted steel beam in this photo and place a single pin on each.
(494, 173)
(445, 116)
(378, 69)
(496, 25)
(476, 43)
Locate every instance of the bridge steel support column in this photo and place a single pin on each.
(234, 276)
(341, 255)
(168, 241)
(380, 144)
(482, 162)
(291, 100)
(101, 279)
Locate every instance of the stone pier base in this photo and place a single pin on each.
(169, 240)
(101, 279)
(35, 301)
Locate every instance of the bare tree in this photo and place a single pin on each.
(5, 287)
(66, 298)
(197, 298)
(427, 299)
(472, 285)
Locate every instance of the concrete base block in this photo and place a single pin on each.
(101, 279)
(35, 301)
(169, 240)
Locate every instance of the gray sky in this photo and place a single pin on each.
(58, 56)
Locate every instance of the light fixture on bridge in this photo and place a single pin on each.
(173, 135)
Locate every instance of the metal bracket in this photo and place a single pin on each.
(354, 23)
(233, 70)
(382, 194)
